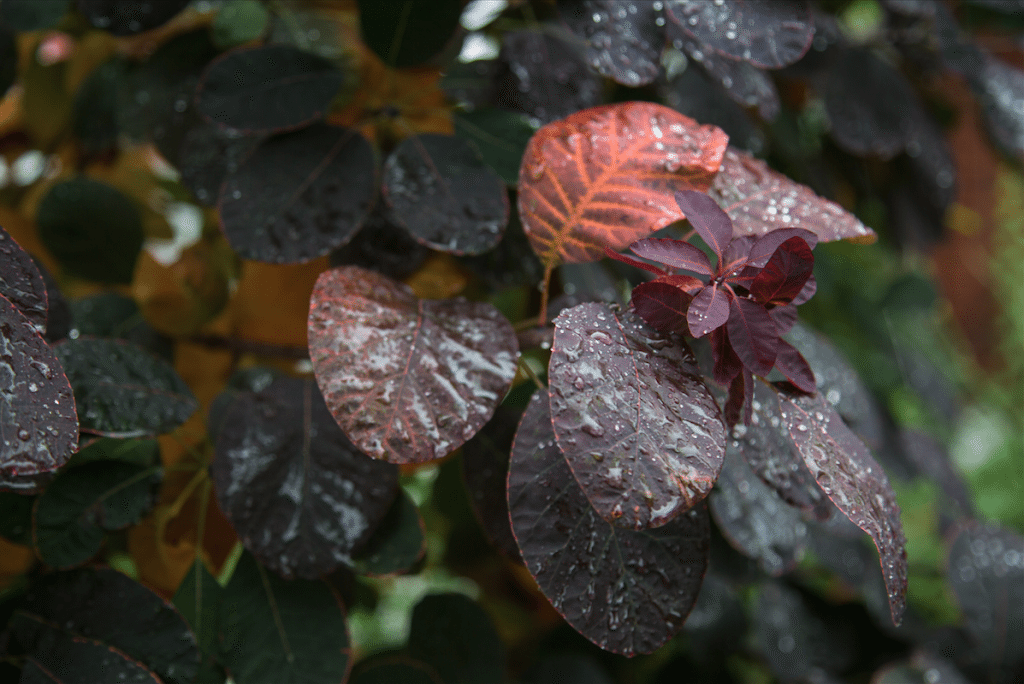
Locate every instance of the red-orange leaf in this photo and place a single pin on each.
(606, 176)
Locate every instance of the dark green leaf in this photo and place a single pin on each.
(408, 33)
(397, 544)
(397, 671)
(454, 636)
(198, 599)
(114, 315)
(499, 135)
(239, 21)
(16, 517)
(126, 17)
(32, 15)
(96, 109)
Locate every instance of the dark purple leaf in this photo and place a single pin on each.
(123, 391)
(37, 410)
(674, 253)
(741, 395)
(127, 17)
(932, 461)
(485, 471)
(735, 256)
(440, 190)
(640, 430)
(785, 318)
(627, 591)
(727, 364)
(398, 543)
(853, 480)
(21, 282)
(808, 290)
(408, 380)
(210, 153)
(103, 605)
(753, 335)
(382, 246)
(299, 494)
(769, 34)
(1001, 89)
(707, 218)
(454, 636)
(785, 274)
(635, 263)
(58, 313)
(742, 81)
(759, 200)
(763, 248)
(299, 195)
(662, 304)
(269, 88)
(623, 39)
(708, 311)
(794, 366)
(59, 658)
(754, 518)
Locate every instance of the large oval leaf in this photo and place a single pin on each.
(760, 200)
(21, 282)
(123, 391)
(58, 658)
(267, 88)
(37, 410)
(853, 480)
(640, 430)
(299, 195)
(408, 380)
(623, 39)
(607, 176)
(627, 591)
(300, 496)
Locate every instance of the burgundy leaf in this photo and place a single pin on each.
(795, 367)
(662, 304)
(844, 468)
(759, 200)
(640, 430)
(674, 253)
(707, 218)
(708, 310)
(408, 380)
(626, 259)
(753, 335)
(627, 591)
(727, 364)
(783, 277)
(785, 317)
(623, 39)
(765, 246)
(21, 282)
(735, 256)
(737, 397)
(744, 83)
(806, 292)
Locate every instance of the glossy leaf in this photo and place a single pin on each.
(855, 483)
(455, 637)
(299, 494)
(406, 34)
(759, 199)
(769, 34)
(753, 335)
(134, 620)
(785, 274)
(299, 195)
(127, 17)
(59, 658)
(408, 380)
(123, 391)
(275, 630)
(37, 410)
(674, 253)
(268, 88)
(627, 591)
(745, 83)
(92, 229)
(398, 543)
(499, 136)
(21, 282)
(606, 176)
(93, 496)
(707, 218)
(662, 305)
(623, 39)
(640, 430)
(439, 189)
(708, 311)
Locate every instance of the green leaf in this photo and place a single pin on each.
(408, 33)
(16, 517)
(275, 630)
(237, 22)
(453, 635)
(198, 599)
(397, 544)
(499, 135)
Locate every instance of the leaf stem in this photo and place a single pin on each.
(542, 318)
(236, 344)
(532, 374)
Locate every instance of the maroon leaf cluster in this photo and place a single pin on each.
(744, 302)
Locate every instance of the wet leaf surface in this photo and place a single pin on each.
(299, 494)
(454, 636)
(767, 34)
(92, 229)
(299, 195)
(499, 136)
(759, 200)
(209, 154)
(267, 88)
(127, 17)
(662, 304)
(123, 391)
(38, 423)
(1002, 99)
(410, 33)
(103, 605)
(95, 494)
(398, 543)
(623, 39)
(606, 176)
(853, 480)
(637, 425)
(21, 282)
(440, 190)
(60, 658)
(275, 630)
(408, 380)
(627, 591)
(746, 84)
(755, 519)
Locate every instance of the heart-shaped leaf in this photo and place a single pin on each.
(759, 199)
(453, 635)
(37, 410)
(439, 189)
(408, 380)
(267, 88)
(640, 430)
(299, 195)
(397, 544)
(627, 591)
(606, 176)
(623, 39)
(300, 496)
(853, 480)
(122, 390)
(21, 282)
(128, 17)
